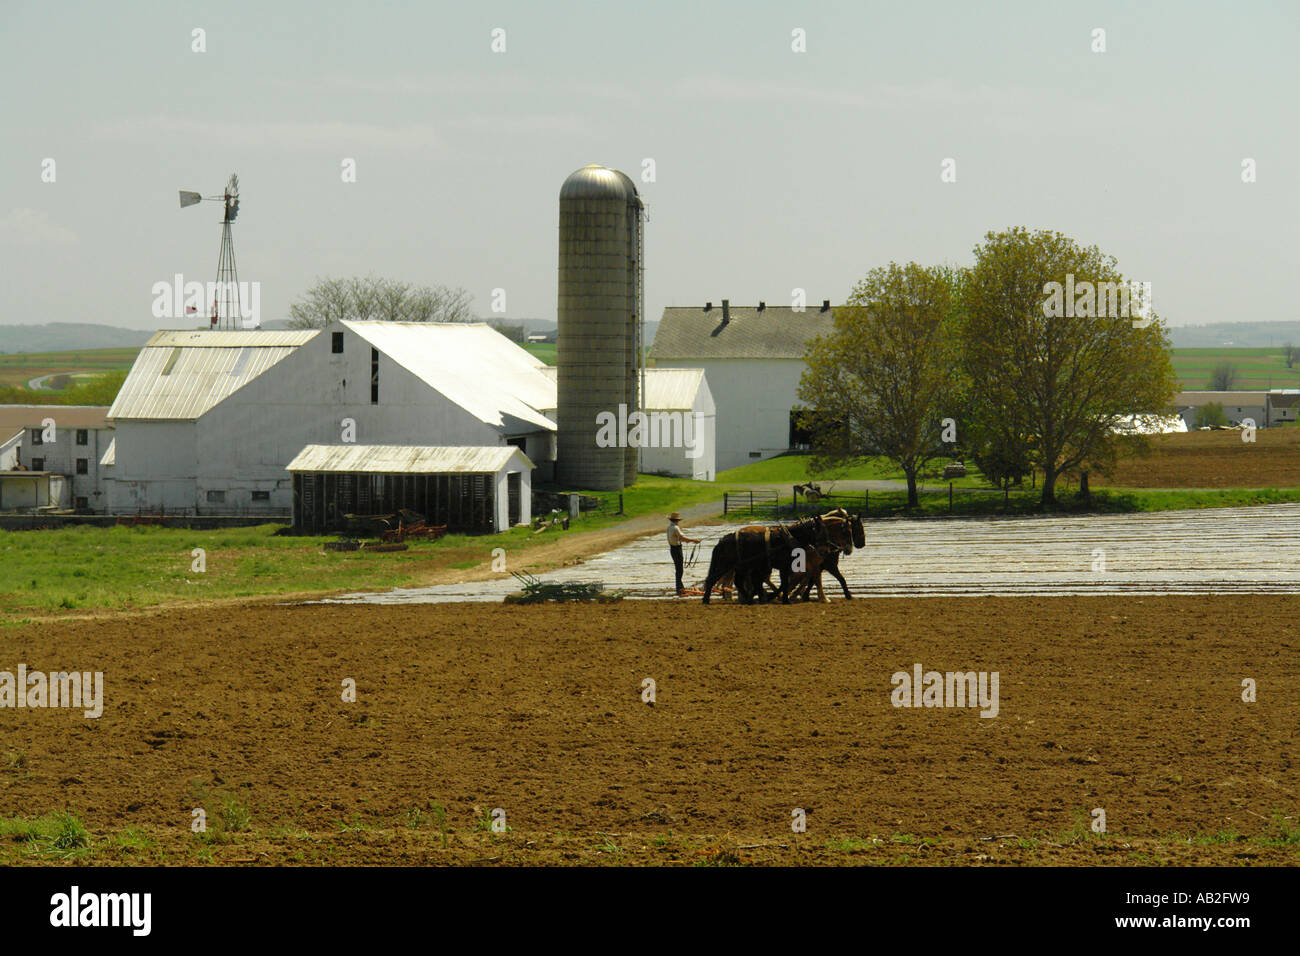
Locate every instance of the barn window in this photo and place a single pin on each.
(83, 467)
(217, 497)
(336, 343)
(83, 504)
(374, 376)
(82, 437)
(38, 464)
(261, 496)
(37, 438)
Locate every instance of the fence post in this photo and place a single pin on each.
(950, 497)
(724, 502)
(620, 502)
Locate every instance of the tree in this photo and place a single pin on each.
(884, 379)
(1209, 414)
(1223, 377)
(377, 299)
(1290, 353)
(1058, 380)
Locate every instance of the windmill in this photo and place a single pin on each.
(225, 296)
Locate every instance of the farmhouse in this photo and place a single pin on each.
(752, 359)
(207, 421)
(1277, 406)
(66, 443)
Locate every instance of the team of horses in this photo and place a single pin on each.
(798, 551)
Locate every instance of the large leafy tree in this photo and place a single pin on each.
(884, 379)
(372, 298)
(1059, 380)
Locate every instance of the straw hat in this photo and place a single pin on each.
(675, 516)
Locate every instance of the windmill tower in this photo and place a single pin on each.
(225, 312)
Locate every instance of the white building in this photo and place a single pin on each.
(752, 359)
(65, 441)
(681, 431)
(207, 422)
(1266, 408)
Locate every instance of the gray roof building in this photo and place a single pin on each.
(731, 332)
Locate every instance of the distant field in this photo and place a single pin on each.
(20, 368)
(1256, 368)
(543, 350)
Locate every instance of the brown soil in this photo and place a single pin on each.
(1215, 460)
(1129, 704)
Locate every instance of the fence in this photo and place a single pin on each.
(750, 501)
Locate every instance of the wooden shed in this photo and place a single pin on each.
(474, 489)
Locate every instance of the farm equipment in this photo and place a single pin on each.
(556, 519)
(538, 592)
(955, 470)
(394, 528)
(417, 529)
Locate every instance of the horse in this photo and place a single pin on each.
(848, 531)
(750, 554)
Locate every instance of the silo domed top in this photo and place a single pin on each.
(594, 182)
(629, 186)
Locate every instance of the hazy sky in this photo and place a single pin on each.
(774, 169)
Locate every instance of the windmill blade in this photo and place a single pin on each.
(189, 198)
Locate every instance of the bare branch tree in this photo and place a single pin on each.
(378, 299)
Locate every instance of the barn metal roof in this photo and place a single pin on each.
(180, 375)
(247, 338)
(473, 365)
(408, 459)
(776, 332)
(110, 455)
(668, 388)
(672, 388)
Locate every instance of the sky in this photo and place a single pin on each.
(772, 168)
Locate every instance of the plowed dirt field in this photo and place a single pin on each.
(1129, 705)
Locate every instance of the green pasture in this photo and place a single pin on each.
(1257, 368)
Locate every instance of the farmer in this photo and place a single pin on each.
(675, 539)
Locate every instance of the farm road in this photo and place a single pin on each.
(1214, 551)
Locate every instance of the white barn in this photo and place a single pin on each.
(752, 359)
(207, 421)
